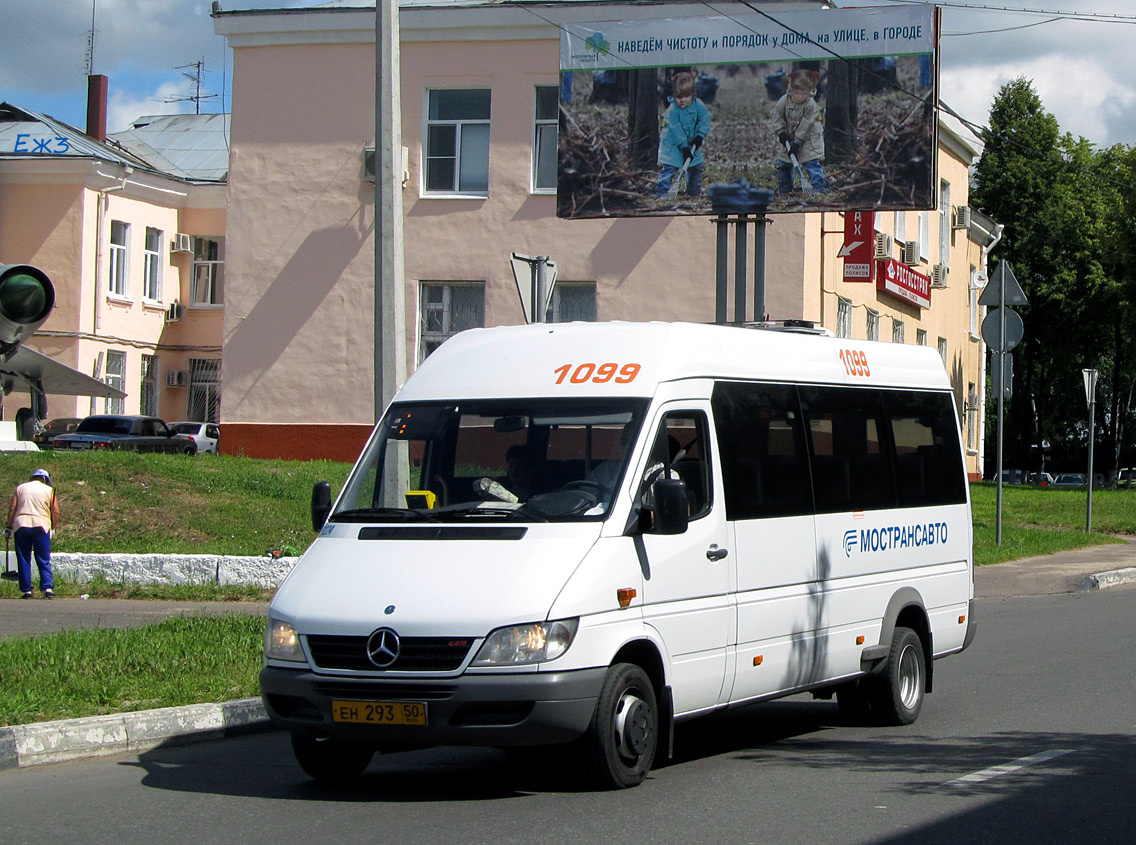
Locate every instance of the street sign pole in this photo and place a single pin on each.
(1091, 398)
(1001, 396)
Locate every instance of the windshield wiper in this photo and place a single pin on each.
(368, 514)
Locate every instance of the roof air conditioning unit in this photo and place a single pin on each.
(910, 252)
(884, 244)
(962, 217)
(174, 312)
(181, 243)
(175, 378)
(939, 275)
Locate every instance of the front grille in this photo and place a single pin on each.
(416, 654)
(383, 691)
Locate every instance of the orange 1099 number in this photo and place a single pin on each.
(596, 373)
(855, 362)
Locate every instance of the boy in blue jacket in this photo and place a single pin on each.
(685, 127)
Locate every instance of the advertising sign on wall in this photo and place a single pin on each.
(830, 110)
(859, 245)
(898, 279)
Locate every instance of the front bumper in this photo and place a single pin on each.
(542, 708)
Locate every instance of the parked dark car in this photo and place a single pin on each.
(131, 433)
(52, 428)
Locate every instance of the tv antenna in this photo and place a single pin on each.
(195, 77)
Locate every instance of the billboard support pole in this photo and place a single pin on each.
(740, 269)
(722, 224)
(760, 223)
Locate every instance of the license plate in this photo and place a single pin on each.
(80, 444)
(380, 712)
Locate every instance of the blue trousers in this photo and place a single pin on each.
(28, 540)
(667, 174)
(813, 171)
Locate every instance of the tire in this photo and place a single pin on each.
(331, 760)
(190, 450)
(619, 747)
(897, 696)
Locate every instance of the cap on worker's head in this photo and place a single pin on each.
(42, 473)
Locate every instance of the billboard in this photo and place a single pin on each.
(825, 110)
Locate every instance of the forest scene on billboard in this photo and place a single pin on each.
(820, 127)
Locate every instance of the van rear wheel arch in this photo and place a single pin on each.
(906, 610)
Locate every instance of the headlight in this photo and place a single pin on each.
(521, 644)
(281, 642)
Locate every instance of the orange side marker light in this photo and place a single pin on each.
(624, 595)
(860, 640)
(962, 619)
(758, 660)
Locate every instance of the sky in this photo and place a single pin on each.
(1083, 70)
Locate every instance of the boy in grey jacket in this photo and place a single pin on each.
(799, 125)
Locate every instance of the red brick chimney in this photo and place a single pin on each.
(97, 107)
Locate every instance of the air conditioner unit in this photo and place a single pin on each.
(962, 217)
(174, 312)
(175, 378)
(884, 245)
(939, 275)
(181, 243)
(910, 253)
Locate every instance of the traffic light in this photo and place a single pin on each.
(26, 299)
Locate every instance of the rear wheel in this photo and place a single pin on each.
(897, 695)
(619, 747)
(331, 760)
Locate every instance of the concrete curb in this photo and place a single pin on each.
(114, 733)
(1104, 580)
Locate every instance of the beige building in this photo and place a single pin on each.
(299, 325)
(130, 230)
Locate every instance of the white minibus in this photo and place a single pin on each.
(582, 534)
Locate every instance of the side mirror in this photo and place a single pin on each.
(321, 504)
(672, 511)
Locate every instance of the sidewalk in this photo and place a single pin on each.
(1097, 567)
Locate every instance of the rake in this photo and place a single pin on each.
(672, 192)
(806, 186)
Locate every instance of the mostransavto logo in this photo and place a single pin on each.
(894, 537)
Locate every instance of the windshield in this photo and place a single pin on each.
(538, 460)
(186, 428)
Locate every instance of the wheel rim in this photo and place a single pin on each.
(909, 677)
(634, 725)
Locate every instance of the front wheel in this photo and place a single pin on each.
(897, 696)
(620, 744)
(330, 760)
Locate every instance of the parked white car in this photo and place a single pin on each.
(205, 435)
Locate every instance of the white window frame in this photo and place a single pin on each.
(207, 288)
(115, 377)
(900, 226)
(921, 337)
(971, 417)
(152, 265)
(943, 352)
(898, 331)
(544, 149)
(148, 386)
(843, 317)
(118, 267)
(974, 292)
(872, 330)
(203, 396)
(924, 235)
(945, 223)
(472, 144)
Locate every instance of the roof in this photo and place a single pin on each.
(26, 134)
(194, 147)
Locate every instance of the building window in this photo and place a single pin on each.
(457, 141)
(977, 282)
(873, 325)
(971, 416)
(843, 317)
(152, 284)
(573, 302)
(544, 139)
(943, 350)
(900, 226)
(897, 331)
(447, 308)
(924, 235)
(208, 283)
(921, 337)
(119, 235)
(945, 224)
(148, 392)
(115, 377)
(204, 389)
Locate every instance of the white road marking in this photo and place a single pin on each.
(1007, 768)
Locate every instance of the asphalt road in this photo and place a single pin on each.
(1029, 736)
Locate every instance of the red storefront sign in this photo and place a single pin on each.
(859, 245)
(898, 279)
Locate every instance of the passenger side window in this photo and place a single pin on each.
(680, 451)
(764, 461)
(851, 464)
(929, 467)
